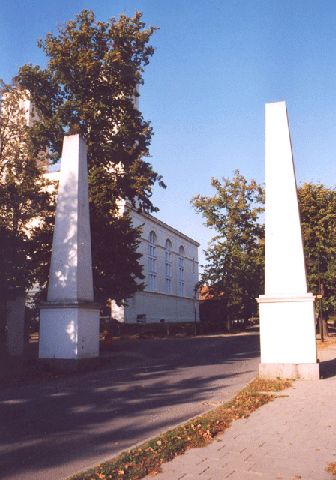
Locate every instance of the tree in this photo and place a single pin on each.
(88, 87)
(23, 199)
(318, 218)
(235, 258)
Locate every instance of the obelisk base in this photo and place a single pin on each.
(306, 371)
(69, 331)
(287, 337)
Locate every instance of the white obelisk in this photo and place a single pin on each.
(286, 311)
(69, 320)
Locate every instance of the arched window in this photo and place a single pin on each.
(152, 261)
(152, 244)
(181, 271)
(168, 266)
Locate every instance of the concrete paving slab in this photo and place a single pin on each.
(291, 438)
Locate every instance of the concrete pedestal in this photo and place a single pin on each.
(287, 337)
(69, 331)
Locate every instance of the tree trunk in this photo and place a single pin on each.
(325, 325)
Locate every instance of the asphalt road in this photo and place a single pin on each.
(50, 430)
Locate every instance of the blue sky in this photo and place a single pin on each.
(216, 64)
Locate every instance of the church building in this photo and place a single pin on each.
(170, 266)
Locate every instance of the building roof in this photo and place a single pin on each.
(164, 225)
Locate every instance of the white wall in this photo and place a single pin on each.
(156, 307)
(158, 304)
(164, 232)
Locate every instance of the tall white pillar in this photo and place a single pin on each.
(286, 311)
(69, 320)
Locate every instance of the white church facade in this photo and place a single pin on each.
(170, 266)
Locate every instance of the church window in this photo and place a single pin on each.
(181, 272)
(152, 270)
(168, 266)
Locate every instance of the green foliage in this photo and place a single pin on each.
(88, 87)
(116, 271)
(235, 257)
(234, 269)
(318, 218)
(23, 198)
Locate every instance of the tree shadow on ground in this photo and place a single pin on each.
(71, 422)
(328, 368)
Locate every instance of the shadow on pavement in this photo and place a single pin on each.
(328, 368)
(78, 418)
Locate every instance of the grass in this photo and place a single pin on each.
(147, 458)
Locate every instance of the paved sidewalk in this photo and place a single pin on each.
(291, 438)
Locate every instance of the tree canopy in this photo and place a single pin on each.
(24, 199)
(235, 258)
(234, 272)
(318, 218)
(88, 86)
